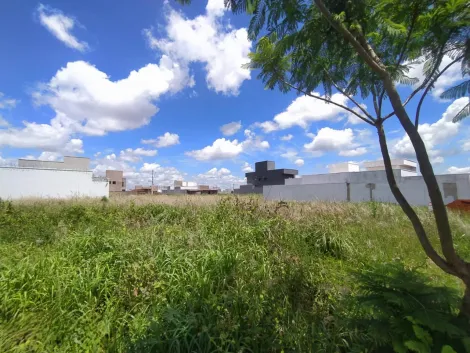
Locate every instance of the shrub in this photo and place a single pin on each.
(402, 311)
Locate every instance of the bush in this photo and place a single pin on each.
(403, 312)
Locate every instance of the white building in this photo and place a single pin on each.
(343, 167)
(408, 168)
(50, 179)
(369, 185)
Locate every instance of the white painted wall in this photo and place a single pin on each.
(75, 163)
(312, 192)
(343, 167)
(16, 183)
(348, 177)
(324, 188)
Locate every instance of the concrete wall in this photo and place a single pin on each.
(397, 163)
(348, 177)
(177, 191)
(29, 163)
(16, 183)
(69, 163)
(76, 163)
(312, 192)
(452, 187)
(248, 189)
(343, 167)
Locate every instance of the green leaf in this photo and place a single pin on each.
(422, 334)
(447, 349)
(399, 347)
(457, 91)
(462, 114)
(466, 344)
(418, 347)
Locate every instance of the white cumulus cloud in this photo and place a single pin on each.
(299, 162)
(231, 128)
(60, 26)
(353, 119)
(220, 149)
(6, 103)
(304, 110)
(246, 168)
(354, 152)
(287, 137)
(433, 135)
(162, 175)
(207, 40)
(86, 101)
(456, 170)
(328, 139)
(166, 140)
(47, 137)
(446, 80)
(135, 155)
(49, 156)
(222, 178)
(466, 146)
(3, 122)
(226, 149)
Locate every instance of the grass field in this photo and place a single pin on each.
(222, 274)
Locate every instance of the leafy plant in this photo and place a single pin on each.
(400, 307)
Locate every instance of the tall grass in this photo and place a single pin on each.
(201, 274)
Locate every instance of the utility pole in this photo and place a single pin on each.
(151, 190)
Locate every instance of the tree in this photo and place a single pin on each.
(363, 47)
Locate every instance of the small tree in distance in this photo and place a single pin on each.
(363, 47)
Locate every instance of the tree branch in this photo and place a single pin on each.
(430, 85)
(406, 207)
(330, 101)
(439, 208)
(374, 99)
(408, 36)
(400, 58)
(348, 96)
(366, 53)
(423, 84)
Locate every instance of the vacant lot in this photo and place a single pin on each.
(221, 274)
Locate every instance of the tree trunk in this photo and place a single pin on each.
(406, 207)
(465, 308)
(418, 226)
(458, 265)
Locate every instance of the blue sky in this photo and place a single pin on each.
(145, 85)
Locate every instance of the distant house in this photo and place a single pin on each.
(71, 177)
(265, 174)
(117, 183)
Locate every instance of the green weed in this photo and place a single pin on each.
(225, 274)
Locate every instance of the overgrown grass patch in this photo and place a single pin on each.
(222, 275)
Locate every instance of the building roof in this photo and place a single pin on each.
(283, 171)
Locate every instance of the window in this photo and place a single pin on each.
(114, 183)
(123, 184)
